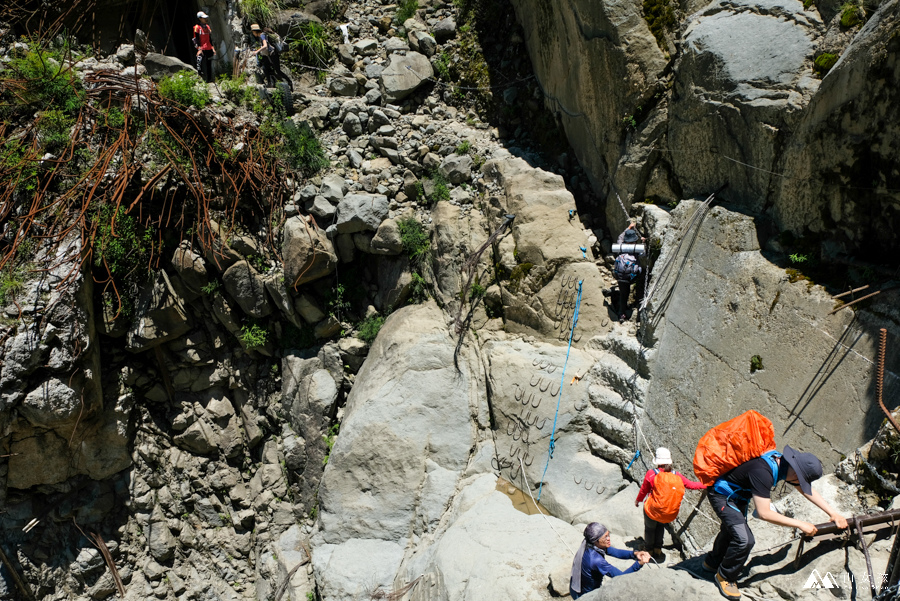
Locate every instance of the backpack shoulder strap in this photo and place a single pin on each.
(773, 465)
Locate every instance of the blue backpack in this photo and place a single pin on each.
(730, 489)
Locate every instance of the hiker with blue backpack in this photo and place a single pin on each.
(626, 269)
(269, 56)
(721, 461)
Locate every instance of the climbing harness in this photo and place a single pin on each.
(562, 381)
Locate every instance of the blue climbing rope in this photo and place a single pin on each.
(561, 387)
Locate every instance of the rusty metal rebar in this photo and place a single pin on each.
(879, 377)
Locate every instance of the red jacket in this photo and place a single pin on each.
(203, 37)
(647, 486)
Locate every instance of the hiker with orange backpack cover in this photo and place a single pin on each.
(665, 488)
(739, 461)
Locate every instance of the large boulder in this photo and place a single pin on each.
(248, 288)
(492, 550)
(160, 65)
(456, 168)
(404, 74)
(735, 92)
(308, 253)
(190, 267)
(361, 213)
(389, 446)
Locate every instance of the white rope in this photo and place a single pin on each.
(536, 506)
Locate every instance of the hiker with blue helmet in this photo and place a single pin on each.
(626, 268)
(755, 479)
(590, 565)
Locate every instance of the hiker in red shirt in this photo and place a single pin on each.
(204, 45)
(665, 488)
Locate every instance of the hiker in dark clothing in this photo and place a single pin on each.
(731, 494)
(590, 565)
(269, 56)
(626, 269)
(204, 45)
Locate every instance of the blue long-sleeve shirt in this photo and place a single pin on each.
(594, 567)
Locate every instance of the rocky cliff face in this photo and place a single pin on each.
(243, 433)
(731, 93)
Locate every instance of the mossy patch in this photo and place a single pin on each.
(519, 273)
(660, 17)
(824, 62)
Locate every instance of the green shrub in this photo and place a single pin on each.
(418, 289)
(406, 9)
(337, 302)
(111, 119)
(10, 284)
(124, 245)
(441, 188)
(20, 163)
(54, 128)
(660, 16)
(442, 66)
(825, 61)
(211, 288)
(302, 149)
(851, 14)
(476, 291)
(329, 441)
(463, 147)
(48, 84)
(415, 239)
(236, 90)
(756, 363)
(260, 11)
(312, 46)
(254, 336)
(185, 88)
(369, 328)
(798, 258)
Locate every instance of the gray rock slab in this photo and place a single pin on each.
(361, 212)
(407, 385)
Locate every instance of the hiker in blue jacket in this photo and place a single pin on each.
(590, 565)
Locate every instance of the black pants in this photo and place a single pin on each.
(204, 65)
(653, 533)
(271, 66)
(735, 540)
(624, 293)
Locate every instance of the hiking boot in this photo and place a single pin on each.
(729, 590)
(658, 555)
(707, 567)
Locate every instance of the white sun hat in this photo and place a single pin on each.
(663, 456)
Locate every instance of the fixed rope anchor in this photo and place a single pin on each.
(633, 459)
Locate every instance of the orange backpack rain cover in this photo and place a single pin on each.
(730, 444)
(665, 498)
